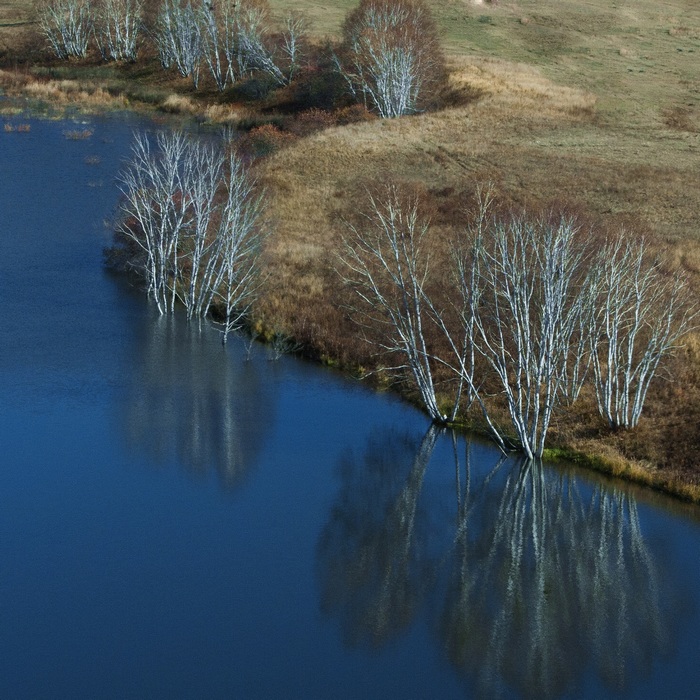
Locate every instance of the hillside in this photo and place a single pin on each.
(592, 105)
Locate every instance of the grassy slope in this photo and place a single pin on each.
(584, 101)
(591, 103)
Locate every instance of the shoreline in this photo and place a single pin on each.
(596, 456)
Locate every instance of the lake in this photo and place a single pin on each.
(184, 520)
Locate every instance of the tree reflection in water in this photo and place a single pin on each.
(370, 552)
(540, 583)
(191, 401)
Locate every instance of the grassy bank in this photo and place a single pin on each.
(592, 104)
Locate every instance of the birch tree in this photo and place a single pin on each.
(529, 316)
(215, 38)
(640, 315)
(254, 50)
(234, 38)
(293, 45)
(156, 209)
(241, 233)
(462, 340)
(390, 57)
(200, 246)
(388, 269)
(67, 25)
(529, 285)
(179, 39)
(196, 217)
(117, 27)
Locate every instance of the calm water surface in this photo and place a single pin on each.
(182, 521)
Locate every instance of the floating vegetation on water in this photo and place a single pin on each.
(20, 128)
(78, 134)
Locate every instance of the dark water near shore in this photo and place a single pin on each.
(179, 520)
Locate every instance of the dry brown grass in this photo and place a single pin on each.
(230, 115)
(78, 134)
(179, 104)
(590, 103)
(60, 93)
(540, 143)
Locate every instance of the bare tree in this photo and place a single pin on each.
(156, 209)
(529, 315)
(215, 37)
(390, 57)
(293, 46)
(529, 304)
(388, 270)
(195, 216)
(519, 306)
(639, 317)
(462, 340)
(179, 39)
(117, 27)
(67, 25)
(200, 247)
(240, 234)
(234, 38)
(254, 51)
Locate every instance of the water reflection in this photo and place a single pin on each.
(372, 567)
(192, 401)
(541, 581)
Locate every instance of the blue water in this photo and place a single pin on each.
(180, 520)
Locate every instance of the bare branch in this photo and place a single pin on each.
(386, 267)
(391, 56)
(640, 317)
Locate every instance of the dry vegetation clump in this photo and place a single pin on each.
(229, 115)
(179, 104)
(78, 134)
(263, 140)
(13, 81)
(19, 128)
(311, 121)
(68, 92)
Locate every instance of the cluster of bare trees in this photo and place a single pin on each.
(390, 57)
(531, 314)
(638, 316)
(193, 218)
(70, 25)
(232, 38)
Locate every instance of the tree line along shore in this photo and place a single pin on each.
(530, 319)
